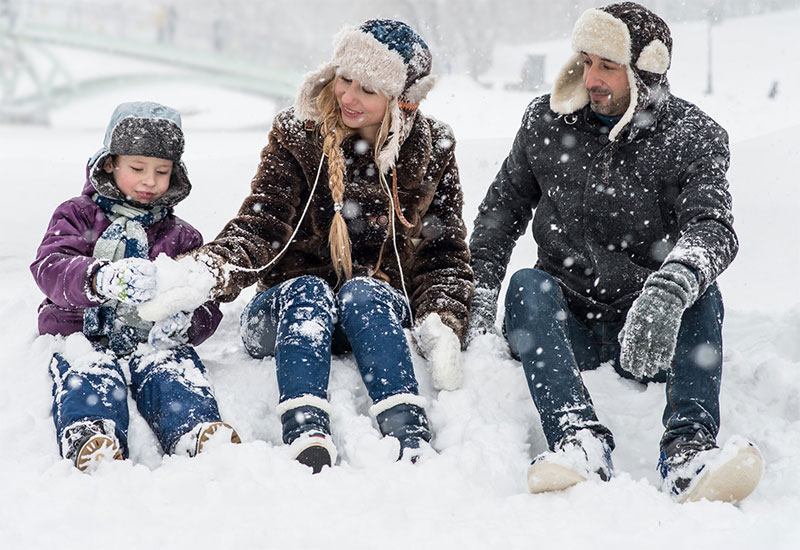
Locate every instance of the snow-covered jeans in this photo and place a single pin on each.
(554, 347)
(170, 389)
(299, 322)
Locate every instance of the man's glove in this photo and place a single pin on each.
(651, 328)
(170, 332)
(482, 313)
(130, 280)
(441, 347)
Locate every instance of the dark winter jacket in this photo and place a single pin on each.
(605, 213)
(433, 252)
(64, 267)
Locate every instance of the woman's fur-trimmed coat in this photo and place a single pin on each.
(433, 253)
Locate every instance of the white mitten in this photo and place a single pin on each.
(441, 347)
(130, 280)
(170, 332)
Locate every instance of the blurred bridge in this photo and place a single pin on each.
(38, 38)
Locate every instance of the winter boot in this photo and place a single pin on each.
(204, 436)
(576, 458)
(695, 468)
(307, 431)
(90, 442)
(409, 424)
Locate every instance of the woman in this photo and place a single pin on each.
(347, 265)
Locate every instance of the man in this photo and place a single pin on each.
(632, 218)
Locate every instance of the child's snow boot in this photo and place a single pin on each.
(306, 429)
(409, 424)
(695, 468)
(576, 458)
(204, 436)
(88, 443)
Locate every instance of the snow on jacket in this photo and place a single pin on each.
(64, 267)
(606, 213)
(433, 253)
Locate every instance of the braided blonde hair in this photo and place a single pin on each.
(334, 132)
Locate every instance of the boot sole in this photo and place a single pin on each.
(545, 477)
(98, 448)
(733, 481)
(209, 432)
(315, 457)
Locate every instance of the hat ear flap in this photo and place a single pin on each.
(305, 104)
(419, 89)
(654, 58)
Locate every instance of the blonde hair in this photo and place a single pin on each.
(334, 132)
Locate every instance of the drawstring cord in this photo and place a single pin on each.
(395, 208)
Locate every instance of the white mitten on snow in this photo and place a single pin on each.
(183, 285)
(170, 332)
(441, 347)
(130, 280)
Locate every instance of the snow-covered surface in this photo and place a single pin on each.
(473, 494)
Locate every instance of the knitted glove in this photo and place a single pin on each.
(482, 313)
(170, 332)
(441, 347)
(651, 328)
(130, 280)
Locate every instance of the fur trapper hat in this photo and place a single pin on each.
(625, 33)
(389, 57)
(147, 129)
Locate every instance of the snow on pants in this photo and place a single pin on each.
(299, 322)
(554, 347)
(170, 389)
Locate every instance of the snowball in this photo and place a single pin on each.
(182, 285)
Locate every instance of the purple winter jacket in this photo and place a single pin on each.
(64, 265)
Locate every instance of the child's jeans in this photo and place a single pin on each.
(301, 322)
(170, 389)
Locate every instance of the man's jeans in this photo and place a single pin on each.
(554, 347)
(301, 322)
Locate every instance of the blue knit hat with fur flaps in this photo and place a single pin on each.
(389, 57)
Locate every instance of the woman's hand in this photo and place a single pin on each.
(440, 346)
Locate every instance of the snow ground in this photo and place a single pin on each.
(473, 494)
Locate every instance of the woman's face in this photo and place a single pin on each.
(362, 108)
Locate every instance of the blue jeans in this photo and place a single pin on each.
(169, 387)
(301, 322)
(554, 347)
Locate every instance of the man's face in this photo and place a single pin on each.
(607, 85)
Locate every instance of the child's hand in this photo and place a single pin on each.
(130, 280)
(441, 347)
(170, 332)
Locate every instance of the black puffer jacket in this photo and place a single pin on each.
(605, 213)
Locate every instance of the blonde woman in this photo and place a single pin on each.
(353, 231)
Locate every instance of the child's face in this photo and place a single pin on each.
(141, 179)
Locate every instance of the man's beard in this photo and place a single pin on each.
(615, 107)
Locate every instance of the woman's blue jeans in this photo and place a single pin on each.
(301, 322)
(554, 347)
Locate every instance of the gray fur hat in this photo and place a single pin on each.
(146, 129)
(389, 57)
(625, 33)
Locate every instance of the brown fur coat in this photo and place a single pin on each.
(433, 253)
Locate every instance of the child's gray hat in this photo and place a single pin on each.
(147, 129)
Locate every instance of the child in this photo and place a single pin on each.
(93, 266)
(377, 246)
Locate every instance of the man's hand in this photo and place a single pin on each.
(482, 313)
(651, 328)
(130, 280)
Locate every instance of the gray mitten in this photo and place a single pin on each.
(651, 328)
(482, 313)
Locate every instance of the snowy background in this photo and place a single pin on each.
(473, 495)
